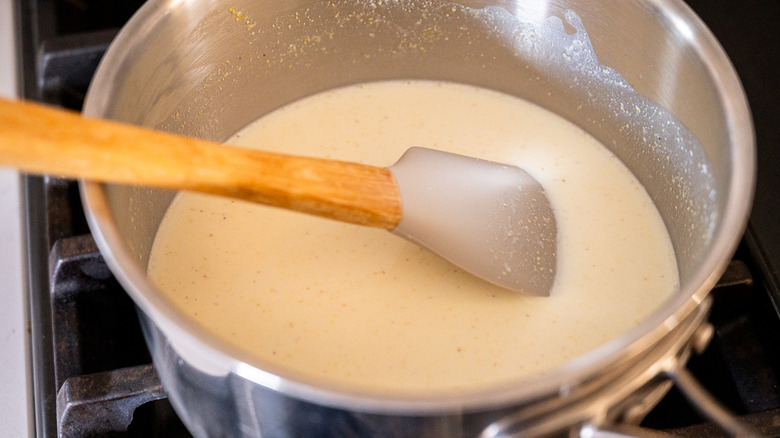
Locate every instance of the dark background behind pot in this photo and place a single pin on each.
(748, 33)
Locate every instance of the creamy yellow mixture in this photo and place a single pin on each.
(360, 307)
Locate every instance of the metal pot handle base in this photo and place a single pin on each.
(616, 409)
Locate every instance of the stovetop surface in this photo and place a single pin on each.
(742, 354)
(13, 386)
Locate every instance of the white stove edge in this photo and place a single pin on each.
(15, 386)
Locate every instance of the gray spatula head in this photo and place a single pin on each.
(491, 219)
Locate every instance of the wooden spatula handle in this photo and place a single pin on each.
(40, 140)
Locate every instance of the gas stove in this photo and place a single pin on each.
(91, 372)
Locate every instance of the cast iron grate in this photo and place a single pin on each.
(101, 364)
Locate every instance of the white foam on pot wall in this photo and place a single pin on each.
(15, 393)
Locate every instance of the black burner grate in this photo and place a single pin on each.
(92, 375)
(101, 364)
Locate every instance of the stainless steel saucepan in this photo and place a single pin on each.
(662, 95)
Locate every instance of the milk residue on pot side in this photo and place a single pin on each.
(640, 132)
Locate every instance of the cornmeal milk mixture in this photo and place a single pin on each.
(364, 308)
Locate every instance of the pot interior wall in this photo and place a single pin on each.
(217, 67)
